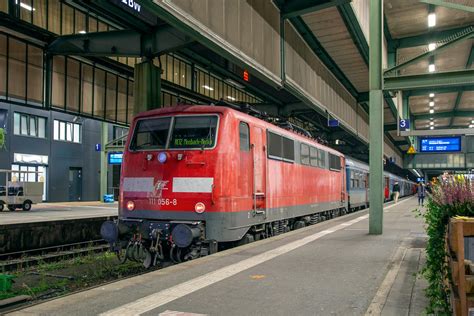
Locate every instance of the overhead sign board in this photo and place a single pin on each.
(115, 158)
(440, 144)
(333, 123)
(135, 8)
(404, 124)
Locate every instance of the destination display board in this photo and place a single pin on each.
(115, 158)
(440, 144)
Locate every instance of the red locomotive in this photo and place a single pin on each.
(194, 177)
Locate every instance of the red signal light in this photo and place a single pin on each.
(246, 75)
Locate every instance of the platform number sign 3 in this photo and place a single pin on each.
(404, 124)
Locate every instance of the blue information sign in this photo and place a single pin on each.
(115, 158)
(440, 144)
(404, 124)
(333, 123)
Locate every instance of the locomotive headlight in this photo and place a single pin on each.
(130, 205)
(162, 157)
(199, 207)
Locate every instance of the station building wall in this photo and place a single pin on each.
(61, 155)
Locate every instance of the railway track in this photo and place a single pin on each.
(18, 260)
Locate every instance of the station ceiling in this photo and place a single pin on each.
(341, 36)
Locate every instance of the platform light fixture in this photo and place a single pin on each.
(82, 32)
(431, 127)
(431, 111)
(471, 126)
(432, 19)
(27, 7)
(432, 68)
(431, 103)
(431, 123)
(472, 121)
(230, 98)
(431, 46)
(208, 88)
(432, 95)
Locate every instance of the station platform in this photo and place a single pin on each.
(59, 211)
(331, 268)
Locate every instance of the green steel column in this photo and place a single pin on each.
(103, 159)
(147, 89)
(376, 118)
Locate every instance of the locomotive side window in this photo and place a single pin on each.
(304, 154)
(244, 136)
(280, 147)
(334, 162)
(322, 158)
(150, 134)
(314, 156)
(288, 149)
(194, 132)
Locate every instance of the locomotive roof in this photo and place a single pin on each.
(226, 110)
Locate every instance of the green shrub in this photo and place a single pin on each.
(452, 198)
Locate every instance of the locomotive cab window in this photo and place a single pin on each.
(194, 132)
(244, 136)
(150, 134)
(334, 162)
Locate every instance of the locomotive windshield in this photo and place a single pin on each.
(194, 132)
(186, 132)
(151, 134)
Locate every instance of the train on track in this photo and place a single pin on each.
(198, 177)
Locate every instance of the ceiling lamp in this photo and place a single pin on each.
(431, 46)
(431, 19)
(431, 103)
(431, 111)
(431, 127)
(431, 68)
(432, 95)
(431, 123)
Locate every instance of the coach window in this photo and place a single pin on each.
(305, 154)
(244, 136)
(280, 147)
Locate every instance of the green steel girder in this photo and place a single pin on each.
(425, 39)
(449, 5)
(359, 39)
(430, 80)
(468, 33)
(363, 97)
(353, 26)
(390, 127)
(294, 8)
(439, 90)
(127, 43)
(444, 115)
(319, 50)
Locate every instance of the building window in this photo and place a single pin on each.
(67, 131)
(29, 125)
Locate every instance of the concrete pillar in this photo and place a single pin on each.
(147, 87)
(376, 118)
(103, 159)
